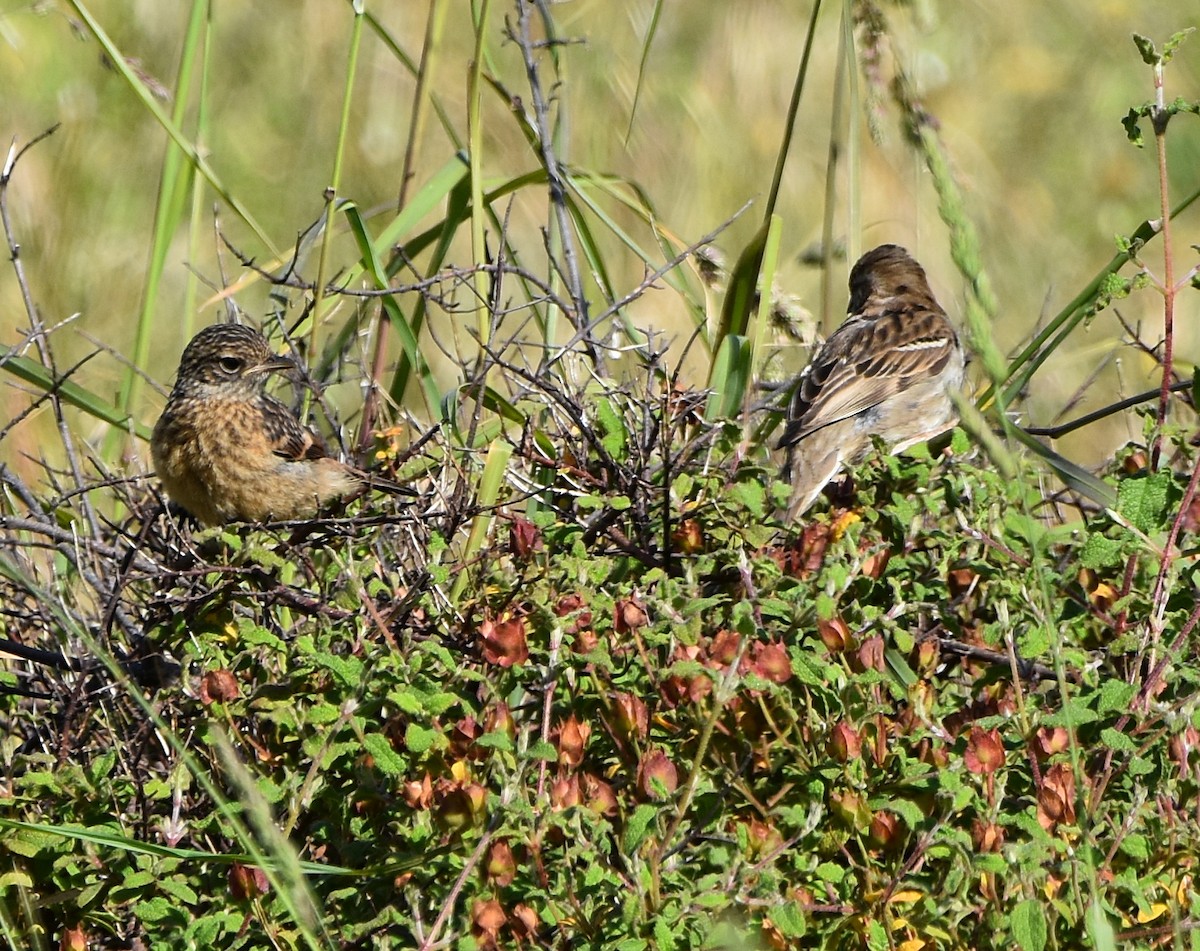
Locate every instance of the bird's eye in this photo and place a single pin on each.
(230, 364)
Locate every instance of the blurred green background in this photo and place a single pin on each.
(1029, 97)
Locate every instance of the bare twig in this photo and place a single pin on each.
(1053, 432)
(578, 314)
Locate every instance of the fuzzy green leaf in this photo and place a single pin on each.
(1100, 552)
(1143, 502)
(1115, 740)
(418, 739)
(1029, 926)
(1146, 48)
(637, 828)
(1115, 696)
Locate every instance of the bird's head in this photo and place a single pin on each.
(227, 360)
(884, 273)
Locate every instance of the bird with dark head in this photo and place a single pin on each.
(227, 451)
(227, 360)
(886, 371)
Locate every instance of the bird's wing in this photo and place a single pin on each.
(289, 438)
(867, 360)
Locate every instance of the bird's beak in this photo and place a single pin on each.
(276, 365)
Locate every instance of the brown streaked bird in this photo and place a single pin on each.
(226, 451)
(886, 371)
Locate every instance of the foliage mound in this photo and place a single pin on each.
(654, 715)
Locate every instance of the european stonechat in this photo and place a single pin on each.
(886, 371)
(226, 451)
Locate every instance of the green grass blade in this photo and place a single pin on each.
(73, 394)
(168, 212)
(456, 215)
(793, 111)
(423, 99)
(491, 481)
(332, 200)
(96, 835)
(186, 145)
(373, 266)
(651, 30)
(762, 322)
(426, 199)
(729, 379)
(1023, 366)
(1072, 475)
(742, 286)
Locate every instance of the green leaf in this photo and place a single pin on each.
(205, 932)
(348, 670)
(651, 30)
(742, 288)
(1175, 42)
(541, 751)
(1028, 923)
(1143, 502)
(637, 828)
(664, 938)
(729, 379)
(829, 872)
(320, 714)
(1100, 928)
(178, 890)
(615, 437)
(1073, 713)
(1034, 642)
(30, 843)
(386, 759)
(491, 481)
(438, 703)
(789, 919)
(1140, 766)
(265, 557)
(373, 266)
(407, 701)
(419, 739)
(1074, 476)
(138, 880)
(496, 740)
(809, 670)
(1115, 695)
(1136, 846)
(752, 496)
(1116, 740)
(1100, 552)
(254, 635)
(156, 909)
(1146, 47)
(991, 862)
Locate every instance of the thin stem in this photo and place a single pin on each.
(452, 899)
(1161, 589)
(837, 143)
(1160, 117)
